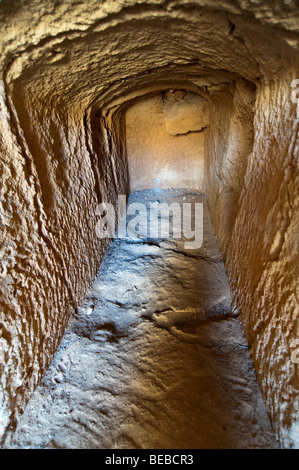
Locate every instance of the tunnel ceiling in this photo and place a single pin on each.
(99, 56)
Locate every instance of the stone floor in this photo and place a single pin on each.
(154, 357)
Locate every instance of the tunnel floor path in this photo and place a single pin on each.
(154, 357)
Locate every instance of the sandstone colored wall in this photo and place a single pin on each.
(69, 72)
(262, 257)
(165, 141)
(228, 145)
(52, 182)
(253, 193)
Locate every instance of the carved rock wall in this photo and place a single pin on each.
(164, 149)
(69, 72)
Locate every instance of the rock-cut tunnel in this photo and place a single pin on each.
(143, 341)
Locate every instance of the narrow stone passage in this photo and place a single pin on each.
(154, 358)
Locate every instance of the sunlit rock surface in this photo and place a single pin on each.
(166, 141)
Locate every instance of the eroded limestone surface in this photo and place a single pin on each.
(70, 70)
(154, 358)
(165, 138)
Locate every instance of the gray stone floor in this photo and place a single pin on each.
(154, 357)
